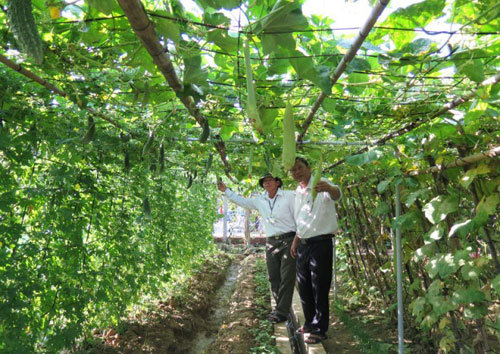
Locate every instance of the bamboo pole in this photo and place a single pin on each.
(347, 58)
(459, 162)
(411, 126)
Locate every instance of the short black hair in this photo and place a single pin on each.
(303, 160)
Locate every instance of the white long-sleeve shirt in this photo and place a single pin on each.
(318, 218)
(277, 213)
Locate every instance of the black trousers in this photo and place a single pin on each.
(314, 275)
(281, 270)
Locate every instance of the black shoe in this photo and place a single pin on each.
(277, 318)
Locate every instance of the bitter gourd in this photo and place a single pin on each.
(22, 24)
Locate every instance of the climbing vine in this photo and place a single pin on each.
(114, 131)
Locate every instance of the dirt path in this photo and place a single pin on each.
(234, 334)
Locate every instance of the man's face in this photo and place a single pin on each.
(300, 172)
(270, 184)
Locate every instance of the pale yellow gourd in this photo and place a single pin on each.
(252, 110)
(288, 153)
(316, 177)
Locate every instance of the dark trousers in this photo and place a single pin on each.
(281, 270)
(314, 275)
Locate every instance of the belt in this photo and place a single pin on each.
(308, 241)
(283, 236)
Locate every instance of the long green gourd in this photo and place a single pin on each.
(252, 110)
(22, 24)
(288, 153)
(316, 177)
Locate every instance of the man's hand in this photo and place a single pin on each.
(323, 186)
(221, 186)
(294, 246)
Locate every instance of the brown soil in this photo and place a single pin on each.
(171, 326)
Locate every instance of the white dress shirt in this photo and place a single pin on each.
(276, 213)
(318, 218)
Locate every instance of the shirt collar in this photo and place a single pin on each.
(279, 192)
(300, 189)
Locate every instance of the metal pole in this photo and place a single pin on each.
(399, 274)
(334, 269)
(224, 232)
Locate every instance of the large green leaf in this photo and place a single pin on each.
(468, 295)
(218, 4)
(286, 16)
(222, 39)
(486, 207)
(105, 6)
(168, 28)
(439, 207)
(469, 63)
(193, 72)
(443, 265)
(462, 228)
(365, 157)
(305, 69)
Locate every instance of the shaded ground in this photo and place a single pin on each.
(215, 315)
(363, 330)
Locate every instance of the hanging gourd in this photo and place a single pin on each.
(252, 110)
(316, 177)
(288, 153)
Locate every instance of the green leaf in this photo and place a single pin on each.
(286, 16)
(382, 186)
(443, 265)
(476, 311)
(382, 209)
(435, 234)
(193, 72)
(489, 204)
(222, 39)
(441, 305)
(167, 28)
(462, 228)
(218, 4)
(438, 208)
(105, 6)
(305, 69)
(468, 295)
(495, 284)
(467, 63)
(486, 207)
(267, 117)
(412, 197)
(406, 221)
(470, 272)
(364, 158)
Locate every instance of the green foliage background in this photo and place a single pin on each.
(94, 218)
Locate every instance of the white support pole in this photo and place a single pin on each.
(399, 274)
(335, 267)
(247, 227)
(224, 232)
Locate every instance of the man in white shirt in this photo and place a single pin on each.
(277, 215)
(312, 246)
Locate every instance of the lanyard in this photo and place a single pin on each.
(274, 203)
